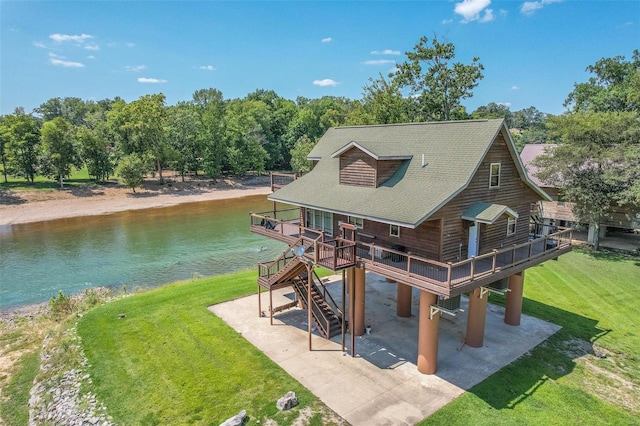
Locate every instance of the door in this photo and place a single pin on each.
(474, 234)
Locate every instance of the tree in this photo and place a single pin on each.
(494, 110)
(245, 136)
(384, 104)
(143, 124)
(615, 86)
(299, 153)
(183, 127)
(96, 151)
(210, 106)
(437, 84)
(131, 170)
(596, 164)
(58, 150)
(22, 139)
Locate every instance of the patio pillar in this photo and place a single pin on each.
(428, 334)
(513, 305)
(358, 320)
(403, 304)
(476, 318)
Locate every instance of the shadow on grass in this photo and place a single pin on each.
(552, 359)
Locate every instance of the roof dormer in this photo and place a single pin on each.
(369, 164)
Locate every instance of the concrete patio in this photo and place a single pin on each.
(381, 385)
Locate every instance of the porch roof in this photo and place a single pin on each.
(487, 213)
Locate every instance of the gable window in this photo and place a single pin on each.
(511, 226)
(322, 221)
(494, 176)
(357, 221)
(394, 231)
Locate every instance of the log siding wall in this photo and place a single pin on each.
(357, 169)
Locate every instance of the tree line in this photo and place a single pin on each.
(262, 131)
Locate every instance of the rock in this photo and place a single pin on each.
(120, 316)
(287, 402)
(237, 420)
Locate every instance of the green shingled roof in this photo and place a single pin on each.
(452, 152)
(487, 212)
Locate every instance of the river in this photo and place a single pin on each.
(139, 249)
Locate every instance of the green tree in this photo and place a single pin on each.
(210, 105)
(143, 124)
(245, 136)
(183, 128)
(596, 164)
(96, 151)
(22, 139)
(58, 149)
(73, 110)
(299, 153)
(437, 84)
(131, 170)
(384, 104)
(614, 86)
(494, 110)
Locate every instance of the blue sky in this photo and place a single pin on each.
(533, 52)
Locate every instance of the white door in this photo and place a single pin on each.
(474, 233)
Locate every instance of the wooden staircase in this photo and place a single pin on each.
(328, 318)
(291, 270)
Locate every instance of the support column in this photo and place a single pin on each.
(513, 306)
(403, 307)
(427, 334)
(358, 324)
(476, 318)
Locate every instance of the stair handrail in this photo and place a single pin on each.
(327, 296)
(284, 257)
(316, 311)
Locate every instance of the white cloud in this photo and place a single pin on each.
(325, 82)
(39, 44)
(91, 57)
(129, 44)
(53, 55)
(327, 40)
(66, 37)
(507, 104)
(446, 21)
(380, 62)
(151, 80)
(471, 10)
(530, 7)
(207, 68)
(92, 46)
(66, 64)
(112, 44)
(135, 68)
(385, 52)
(515, 88)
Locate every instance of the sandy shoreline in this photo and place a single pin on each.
(27, 207)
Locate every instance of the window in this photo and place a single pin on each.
(494, 178)
(357, 221)
(560, 200)
(322, 221)
(511, 226)
(394, 231)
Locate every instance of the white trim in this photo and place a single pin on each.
(391, 233)
(510, 221)
(355, 221)
(491, 175)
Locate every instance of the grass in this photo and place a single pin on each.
(594, 297)
(171, 361)
(14, 409)
(79, 177)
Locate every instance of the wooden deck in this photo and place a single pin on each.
(444, 279)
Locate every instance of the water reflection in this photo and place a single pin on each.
(141, 248)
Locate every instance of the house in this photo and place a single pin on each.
(442, 207)
(557, 212)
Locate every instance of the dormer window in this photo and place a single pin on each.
(494, 175)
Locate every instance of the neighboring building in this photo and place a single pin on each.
(443, 207)
(557, 212)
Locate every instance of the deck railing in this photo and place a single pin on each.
(278, 180)
(441, 277)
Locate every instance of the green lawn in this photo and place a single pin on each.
(78, 177)
(595, 299)
(171, 361)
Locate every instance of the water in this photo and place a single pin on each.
(141, 249)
